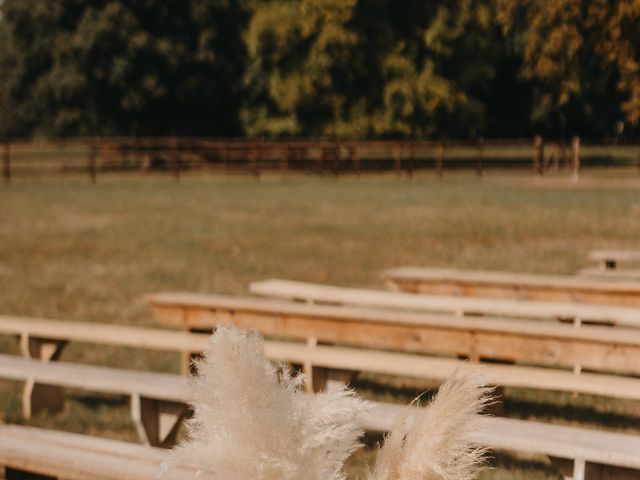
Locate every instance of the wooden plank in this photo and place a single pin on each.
(506, 434)
(500, 434)
(439, 369)
(563, 288)
(80, 457)
(610, 274)
(173, 388)
(593, 347)
(332, 295)
(160, 386)
(104, 334)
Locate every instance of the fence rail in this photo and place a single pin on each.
(176, 155)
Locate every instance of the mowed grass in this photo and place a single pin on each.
(77, 251)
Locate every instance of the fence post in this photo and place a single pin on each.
(93, 154)
(176, 159)
(285, 159)
(253, 160)
(410, 161)
(575, 158)
(355, 157)
(397, 159)
(6, 162)
(480, 156)
(538, 155)
(440, 159)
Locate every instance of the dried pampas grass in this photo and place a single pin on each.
(252, 421)
(438, 445)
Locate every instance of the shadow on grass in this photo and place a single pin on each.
(581, 414)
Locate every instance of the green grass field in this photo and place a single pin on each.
(71, 250)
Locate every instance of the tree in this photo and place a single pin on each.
(115, 67)
(582, 57)
(365, 67)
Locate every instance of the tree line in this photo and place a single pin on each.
(320, 68)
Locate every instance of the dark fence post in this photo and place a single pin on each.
(285, 159)
(93, 154)
(538, 155)
(480, 156)
(575, 158)
(410, 161)
(253, 160)
(440, 159)
(355, 157)
(6, 162)
(397, 158)
(176, 159)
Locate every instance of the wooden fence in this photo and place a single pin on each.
(175, 155)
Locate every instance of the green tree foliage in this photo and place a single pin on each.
(367, 67)
(582, 56)
(104, 66)
(343, 68)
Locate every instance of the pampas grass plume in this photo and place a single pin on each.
(253, 422)
(438, 444)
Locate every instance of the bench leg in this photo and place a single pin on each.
(37, 397)
(157, 421)
(327, 379)
(13, 474)
(319, 379)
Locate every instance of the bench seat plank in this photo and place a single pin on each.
(102, 333)
(327, 294)
(613, 274)
(445, 281)
(80, 457)
(162, 386)
(525, 436)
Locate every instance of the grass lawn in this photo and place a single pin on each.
(71, 250)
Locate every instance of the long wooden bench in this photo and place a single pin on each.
(583, 453)
(544, 343)
(562, 288)
(34, 453)
(460, 306)
(323, 364)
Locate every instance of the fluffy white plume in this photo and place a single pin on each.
(438, 445)
(253, 422)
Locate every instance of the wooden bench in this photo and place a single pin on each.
(594, 348)
(157, 400)
(581, 453)
(460, 306)
(38, 454)
(608, 264)
(44, 340)
(523, 286)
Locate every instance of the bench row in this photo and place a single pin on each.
(45, 339)
(523, 286)
(596, 348)
(154, 395)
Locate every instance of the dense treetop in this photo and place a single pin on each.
(345, 68)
